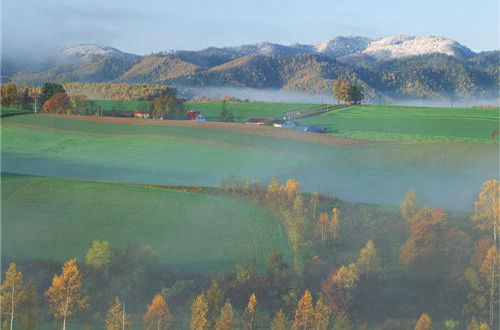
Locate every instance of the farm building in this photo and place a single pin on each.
(259, 121)
(133, 114)
(285, 123)
(195, 115)
(312, 129)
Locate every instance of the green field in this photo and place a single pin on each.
(244, 110)
(444, 174)
(411, 124)
(59, 218)
(6, 111)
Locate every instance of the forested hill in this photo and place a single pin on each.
(395, 67)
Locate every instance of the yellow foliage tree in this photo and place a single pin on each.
(225, 321)
(490, 272)
(424, 322)
(486, 209)
(99, 254)
(158, 314)
(304, 315)
(250, 310)
(321, 315)
(273, 190)
(65, 293)
(199, 311)
(12, 293)
(368, 260)
(409, 205)
(116, 318)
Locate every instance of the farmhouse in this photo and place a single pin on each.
(312, 129)
(259, 121)
(195, 115)
(285, 123)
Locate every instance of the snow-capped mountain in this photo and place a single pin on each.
(404, 46)
(342, 46)
(88, 52)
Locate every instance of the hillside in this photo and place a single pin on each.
(393, 67)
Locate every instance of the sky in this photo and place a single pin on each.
(31, 27)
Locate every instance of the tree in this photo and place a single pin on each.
(273, 190)
(368, 260)
(338, 287)
(424, 322)
(58, 103)
(342, 322)
(277, 276)
(24, 99)
(486, 208)
(348, 92)
(12, 293)
(158, 314)
(49, 90)
(199, 311)
(29, 309)
(99, 255)
(279, 321)
(298, 205)
(335, 223)
(9, 94)
(225, 114)
(291, 188)
(163, 106)
(490, 272)
(475, 325)
(409, 205)
(451, 324)
(250, 310)
(116, 318)
(314, 202)
(225, 320)
(215, 299)
(321, 315)
(323, 225)
(304, 315)
(65, 294)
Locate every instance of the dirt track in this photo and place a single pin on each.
(229, 127)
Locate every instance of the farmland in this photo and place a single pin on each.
(189, 230)
(410, 124)
(190, 154)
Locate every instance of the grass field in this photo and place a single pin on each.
(58, 219)
(411, 124)
(444, 174)
(244, 110)
(6, 111)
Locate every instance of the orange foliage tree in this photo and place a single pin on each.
(65, 294)
(486, 209)
(158, 314)
(58, 103)
(424, 322)
(291, 188)
(304, 315)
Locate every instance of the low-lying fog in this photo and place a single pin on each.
(280, 95)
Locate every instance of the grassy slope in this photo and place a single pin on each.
(244, 110)
(397, 123)
(58, 218)
(445, 174)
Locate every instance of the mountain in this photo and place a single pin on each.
(395, 66)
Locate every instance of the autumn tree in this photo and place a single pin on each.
(9, 94)
(321, 315)
(409, 206)
(490, 272)
(304, 315)
(335, 223)
(158, 314)
(486, 208)
(368, 261)
(291, 188)
(50, 89)
(322, 225)
(424, 322)
(225, 320)
(65, 294)
(475, 325)
(250, 310)
(348, 92)
(215, 299)
(29, 308)
(116, 319)
(279, 321)
(298, 205)
(314, 202)
(339, 285)
(342, 322)
(99, 255)
(273, 190)
(199, 311)
(12, 293)
(58, 103)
